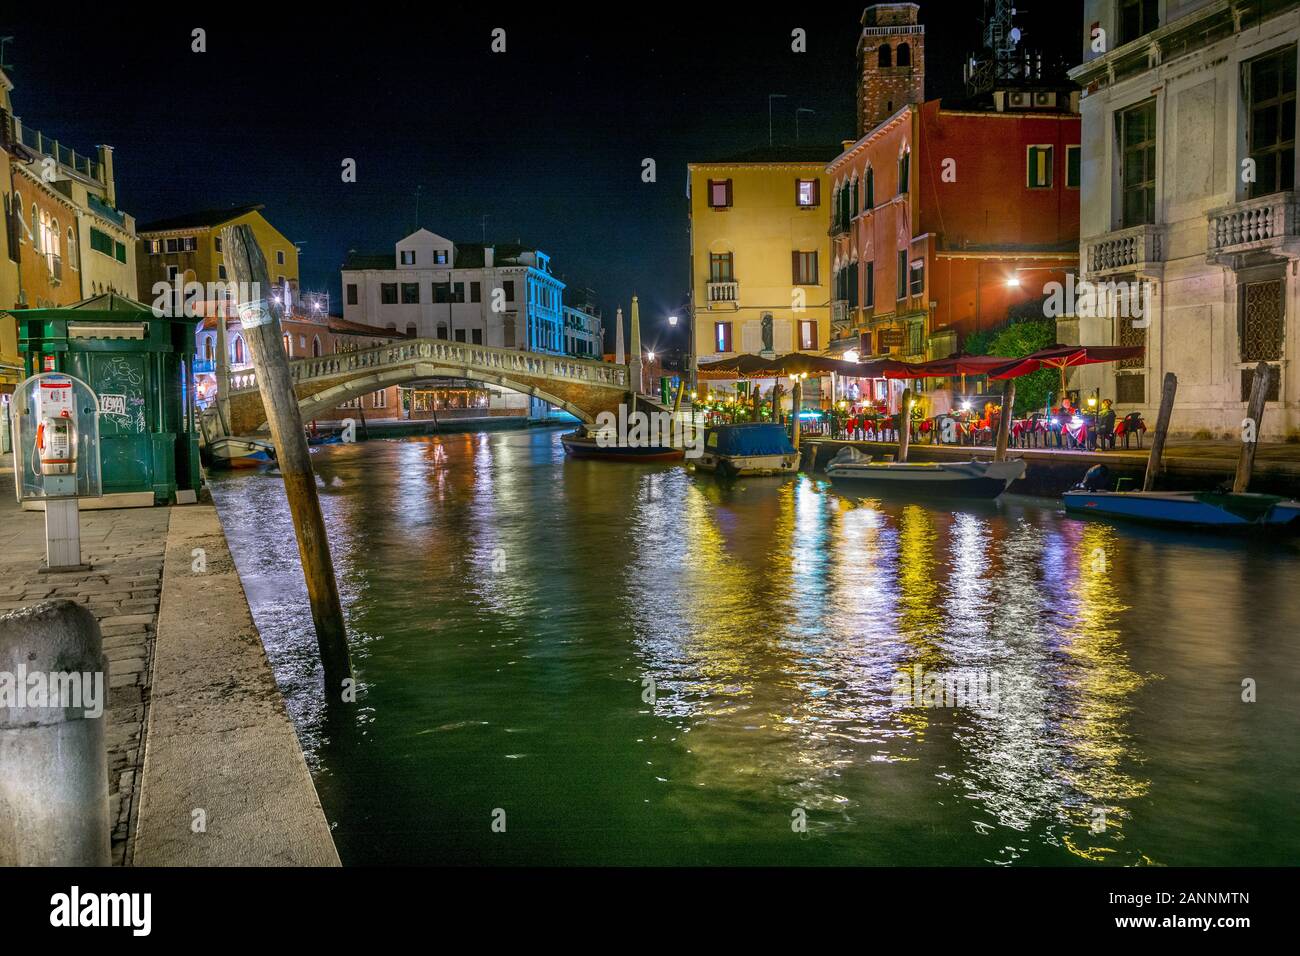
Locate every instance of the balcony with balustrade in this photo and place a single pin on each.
(1266, 225)
(1137, 250)
(722, 294)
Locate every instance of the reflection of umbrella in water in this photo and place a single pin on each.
(1066, 356)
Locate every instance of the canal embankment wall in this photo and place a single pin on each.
(1190, 466)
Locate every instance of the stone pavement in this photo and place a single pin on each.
(125, 550)
(195, 720)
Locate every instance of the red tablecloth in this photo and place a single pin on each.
(1078, 432)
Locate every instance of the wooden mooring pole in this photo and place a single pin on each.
(904, 424)
(1250, 428)
(1167, 394)
(1004, 421)
(260, 319)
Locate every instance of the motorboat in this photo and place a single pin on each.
(853, 471)
(232, 452)
(757, 448)
(583, 444)
(1224, 510)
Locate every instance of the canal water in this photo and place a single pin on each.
(637, 665)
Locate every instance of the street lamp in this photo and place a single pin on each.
(672, 321)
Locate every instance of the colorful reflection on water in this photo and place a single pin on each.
(641, 665)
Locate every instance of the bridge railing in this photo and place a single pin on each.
(486, 358)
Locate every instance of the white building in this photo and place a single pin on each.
(503, 295)
(1188, 179)
(583, 335)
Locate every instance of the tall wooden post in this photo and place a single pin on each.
(1162, 429)
(796, 401)
(904, 424)
(1255, 415)
(1004, 422)
(260, 319)
(223, 370)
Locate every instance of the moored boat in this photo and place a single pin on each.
(854, 471)
(582, 444)
(758, 448)
(1218, 510)
(1190, 509)
(231, 452)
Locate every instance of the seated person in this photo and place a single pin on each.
(1106, 424)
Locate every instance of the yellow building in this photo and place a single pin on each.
(760, 254)
(188, 249)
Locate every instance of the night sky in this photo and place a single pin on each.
(546, 139)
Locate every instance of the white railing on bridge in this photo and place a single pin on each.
(461, 355)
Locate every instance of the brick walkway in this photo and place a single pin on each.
(125, 549)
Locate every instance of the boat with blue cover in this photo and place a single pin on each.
(756, 448)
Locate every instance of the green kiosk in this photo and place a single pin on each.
(139, 365)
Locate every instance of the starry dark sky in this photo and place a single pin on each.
(546, 140)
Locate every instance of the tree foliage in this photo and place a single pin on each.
(1025, 331)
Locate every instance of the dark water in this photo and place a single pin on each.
(510, 609)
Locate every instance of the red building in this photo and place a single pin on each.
(945, 215)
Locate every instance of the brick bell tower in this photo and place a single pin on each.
(891, 62)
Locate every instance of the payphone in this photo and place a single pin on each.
(55, 427)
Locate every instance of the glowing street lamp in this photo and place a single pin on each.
(672, 321)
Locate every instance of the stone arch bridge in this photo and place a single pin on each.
(579, 386)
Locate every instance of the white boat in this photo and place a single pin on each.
(854, 471)
(231, 452)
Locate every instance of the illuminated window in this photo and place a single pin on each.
(1039, 167)
(719, 193)
(722, 336)
(807, 193)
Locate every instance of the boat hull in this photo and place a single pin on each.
(1187, 509)
(748, 466)
(983, 480)
(577, 446)
(239, 453)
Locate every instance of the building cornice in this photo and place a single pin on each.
(879, 130)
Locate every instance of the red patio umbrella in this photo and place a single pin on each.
(1066, 356)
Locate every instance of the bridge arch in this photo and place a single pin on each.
(309, 406)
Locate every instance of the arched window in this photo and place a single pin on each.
(52, 241)
(410, 329)
(36, 229)
(288, 344)
(884, 56)
(904, 166)
(209, 352)
(72, 250)
(869, 193)
(904, 55)
(238, 351)
(315, 346)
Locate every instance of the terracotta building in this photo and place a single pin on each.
(945, 215)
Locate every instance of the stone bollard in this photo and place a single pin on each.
(53, 762)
